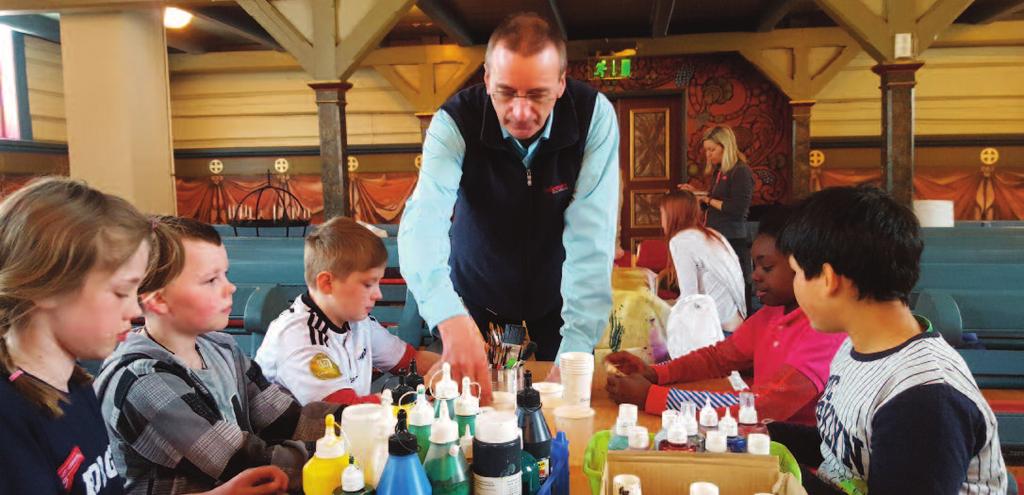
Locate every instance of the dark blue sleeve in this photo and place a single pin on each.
(922, 441)
(23, 466)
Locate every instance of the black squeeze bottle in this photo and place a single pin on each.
(536, 434)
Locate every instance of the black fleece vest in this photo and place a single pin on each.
(506, 234)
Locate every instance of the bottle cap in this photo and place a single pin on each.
(402, 442)
(677, 431)
(758, 443)
(496, 427)
(444, 430)
(714, 441)
(639, 438)
(668, 417)
(728, 424)
(413, 379)
(628, 412)
(467, 404)
(403, 393)
(528, 397)
(330, 446)
(748, 413)
(352, 477)
(708, 416)
(446, 388)
(421, 414)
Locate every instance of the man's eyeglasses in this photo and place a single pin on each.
(505, 97)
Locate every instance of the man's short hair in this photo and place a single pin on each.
(527, 33)
(864, 234)
(341, 246)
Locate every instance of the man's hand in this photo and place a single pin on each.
(464, 351)
(630, 389)
(263, 480)
(555, 375)
(628, 364)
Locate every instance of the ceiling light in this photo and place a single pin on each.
(176, 18)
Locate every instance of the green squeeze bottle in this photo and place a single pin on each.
(420, 418)
(446, 466)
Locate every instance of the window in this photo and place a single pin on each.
(9, 121)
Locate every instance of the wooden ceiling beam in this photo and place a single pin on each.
(774, 13)
(556, 16)
(447, 20)
(661, 17)
(40, 6)
(237, 28)
(993, 12)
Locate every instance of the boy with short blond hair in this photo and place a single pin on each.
(326, 345)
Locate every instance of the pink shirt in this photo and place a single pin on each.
(776, 339)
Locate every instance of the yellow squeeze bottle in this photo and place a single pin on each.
(322, 473)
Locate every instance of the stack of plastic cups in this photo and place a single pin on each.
(577, 369)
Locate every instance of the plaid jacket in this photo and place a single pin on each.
(167, 434)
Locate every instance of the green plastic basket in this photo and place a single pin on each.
(597, 451)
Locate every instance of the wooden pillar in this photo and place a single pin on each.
(117, 104)
(330, 109)
(897, 85)
(425, 118)
(801, 170)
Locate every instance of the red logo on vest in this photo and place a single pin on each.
(67, 471)
(557, 189)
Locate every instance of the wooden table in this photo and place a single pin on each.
(606, 411)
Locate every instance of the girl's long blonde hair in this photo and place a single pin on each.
(52, 233)
(681, 211)
(723, 136)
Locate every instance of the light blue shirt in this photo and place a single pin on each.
(589, 237)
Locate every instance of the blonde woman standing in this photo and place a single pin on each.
(732, 188)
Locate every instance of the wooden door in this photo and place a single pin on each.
(651, 162)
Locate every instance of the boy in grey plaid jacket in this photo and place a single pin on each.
(185, 408)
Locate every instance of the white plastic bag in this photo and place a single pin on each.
(692, 324)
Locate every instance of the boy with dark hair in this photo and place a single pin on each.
(790, 360)
(326, 345)
(900, 413)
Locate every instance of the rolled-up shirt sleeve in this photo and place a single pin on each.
(423, 242)
(589, 236)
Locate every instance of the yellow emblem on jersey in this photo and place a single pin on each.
(323, 368)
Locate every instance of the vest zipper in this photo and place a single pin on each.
(529, 178)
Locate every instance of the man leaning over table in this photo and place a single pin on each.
(514, 214)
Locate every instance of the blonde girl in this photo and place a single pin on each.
(71, 260)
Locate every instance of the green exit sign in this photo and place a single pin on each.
(611, 68)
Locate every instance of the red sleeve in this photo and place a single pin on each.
(347, 397)
(657, 399)
(785, 394)
(403, 364)
(708, 362)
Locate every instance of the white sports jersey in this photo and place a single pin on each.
(312, 357)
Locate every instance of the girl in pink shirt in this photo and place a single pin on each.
(790, 359)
